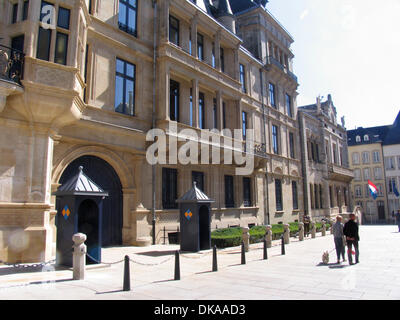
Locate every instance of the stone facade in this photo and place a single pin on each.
(326, 173)
(65, 110)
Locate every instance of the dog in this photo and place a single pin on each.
(325, 257)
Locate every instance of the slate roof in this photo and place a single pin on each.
(80, 184)
(393, 134)
(242, 5)
(195, 195)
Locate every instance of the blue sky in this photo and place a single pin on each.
(350, 49)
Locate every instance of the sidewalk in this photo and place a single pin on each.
(296, 275)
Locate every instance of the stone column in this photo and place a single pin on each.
(217, 50)
(286, 233)
(268, 236)
(79, 256)
(193, 35)
(236, 62)
(301, 231)
(164, 21)
(313, 229)
(220, 111)
(246, 238)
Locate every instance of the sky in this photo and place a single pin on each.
(349, 49)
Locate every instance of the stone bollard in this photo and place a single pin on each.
(323, 228)
(268, 236)
(301, 231)
(79, 256)
(313, 230)
(286, 233)
(246, 238)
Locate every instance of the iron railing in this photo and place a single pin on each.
(11, 64)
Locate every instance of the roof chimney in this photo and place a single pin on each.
(224, 14)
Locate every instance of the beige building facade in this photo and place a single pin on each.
(98, 75)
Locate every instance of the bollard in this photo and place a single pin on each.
(301, 231)
(215, 263)
(177, 266)
(265, 253)
(268, 236)
(313, 230)
(79, 256)
(283, 246)
(243, 253)
(323, 228)
(246, 238)
(286, 233)
(127, 277)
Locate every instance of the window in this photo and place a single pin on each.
(367, 191)
(215, 117)
(169, 188)
(242, 74)
(43, 46)
(335, 159)
(380, 189)
(275, 143)
(312, 196)
(331, 196)
(174, 30)
(278, 195)
(358, 191)
(61, 48)
(191, 107)
(321, 205)
(357, 175)
(224, 114)
(356, 158)
(63, 18)
(378, 173)
(190, 41)
(202, 107)
(272, 95)
(358, 139)
(376, 157)
(288, 100)
(200, 46)
(365, 157)
(25, 10)
(247, 192)
(295, 196)
(390, 163)
(244, 125)
(229, 192)
(17, 43)
(392, 184)
(127, 16)
(213, 60)
(398, 162)
(198, 177)
(222, 59)
(366, 138)
(174, 100)
(14, 13)
(291, 145)
(367, 174)
(125, 87)
(316, 205)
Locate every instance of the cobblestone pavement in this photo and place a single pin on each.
(297, 275)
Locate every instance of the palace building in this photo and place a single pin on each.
(83, 82)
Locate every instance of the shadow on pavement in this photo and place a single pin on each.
(29, 269)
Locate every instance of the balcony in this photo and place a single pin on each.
(340, 173)
(272, 61)
(11, 73)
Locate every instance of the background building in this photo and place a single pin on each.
(102, 74)
(326, 173)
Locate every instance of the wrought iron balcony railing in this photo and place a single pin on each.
(11, 64)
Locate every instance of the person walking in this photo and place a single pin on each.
(397, 217)
(338, 237)
(350, 230)
(306, 221)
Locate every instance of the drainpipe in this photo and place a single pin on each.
(153, 167)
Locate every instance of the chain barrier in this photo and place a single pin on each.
(203, 255)
(26, 266)
(102, 262)
(152, 264)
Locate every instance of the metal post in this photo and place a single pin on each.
(79, 256)
(215, 262)
(243, 253)
(283, 245)
(177, 266)
(265, 256)
(127, 277)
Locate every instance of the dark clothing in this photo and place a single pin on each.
(350, 230)
(339, 245)
(350, 244)
(306, 221)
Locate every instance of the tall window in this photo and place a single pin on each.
(390, 163)
(14, 13)
(169, 188)
(242, 72)
(125, 87)
(127, 16)
(272, 95)
(356, 158)
(295, 195)
(244, 125)
(198, 177)
(376, 157)
(367, 174)
(357, 174)
(62, 36)
(358, 191)
(378, 173)
(224, 114)
(25, 10)
(289, 105)
(215, 117)
(202, 107)
(291, 145)
(222, 59)
(173, 30)
(247, 192)
(334, 148)
(174, 100)
(200, 46)
(321, 205)
(365, 157)
(275, 139)
(229, 192)
(213, 60)
(278, 195)
(191, 107)
(43, 46)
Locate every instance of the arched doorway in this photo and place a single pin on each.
(88, 223)
(105, 176)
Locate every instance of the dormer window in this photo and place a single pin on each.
(358, 139)
(366, 138)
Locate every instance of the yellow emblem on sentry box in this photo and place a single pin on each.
(66, 212)
(188, 215)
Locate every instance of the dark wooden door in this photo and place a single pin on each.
(105, 176)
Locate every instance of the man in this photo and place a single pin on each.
(338, 238)
(306, 221)
(397, 216)
(350, 230)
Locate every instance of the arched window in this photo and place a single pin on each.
(366, 138)
(358, 139)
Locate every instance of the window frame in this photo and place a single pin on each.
(278, 195)
(229, 186)
(125, 77)
(176, 30)
(247, 192)
(169, 188)
(174, 91)
(295, 195)
(272, 94)
(242, 77)
(128, 7)
(275, 139)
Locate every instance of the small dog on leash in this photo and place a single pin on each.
(325, 257)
